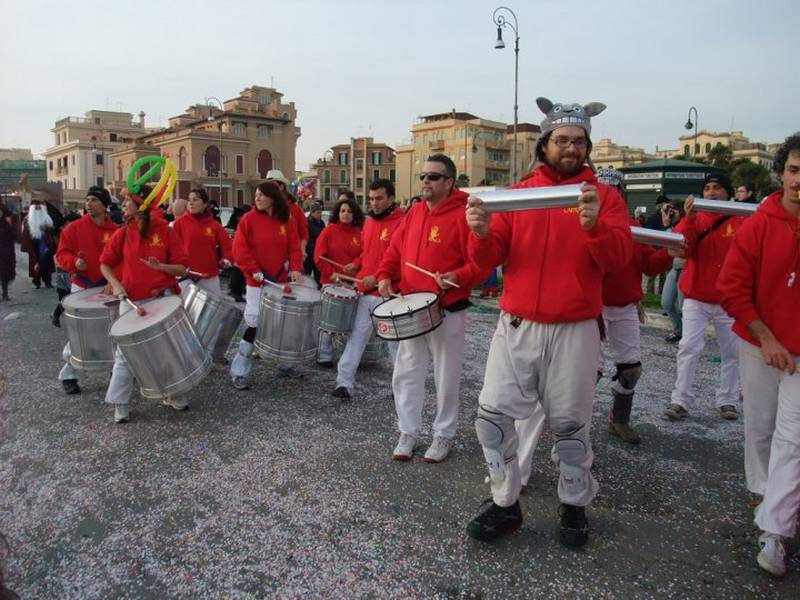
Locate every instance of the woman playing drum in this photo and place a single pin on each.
(263, 246)
(339, 242)
(152, 257)
(205, 242)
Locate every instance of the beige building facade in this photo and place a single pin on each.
(228, 152)
(605, 153)
(742, 147)
(82, 147)
(353, 167)
(480, 148)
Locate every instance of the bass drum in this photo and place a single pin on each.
(88, 316)
(375, 350)
(162, 348)
(215, 318)
(287, 324)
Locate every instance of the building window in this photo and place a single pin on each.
(391, 175)
(119, 171)
(342, 176)
(359, 183)
(264, 99)
(239, 197)
(360, 198)
(73, 160)
(359, 164)
(239, 129)
(181, 159)
(264, 163)
(100, 182)
(74, 187)
(239, 164)
(327, 177)
(376, 174)
(264, 131)
(98, 159)
(708, 148)
(376, 158)
(51, 165)
(211, 161)
(112, 137)
(327, 194)
(686, 150)
(342, 158)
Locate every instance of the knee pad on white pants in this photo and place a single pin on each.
(572, 454)
(498, 436)
(626, 378)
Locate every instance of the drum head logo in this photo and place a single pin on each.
(383, 327)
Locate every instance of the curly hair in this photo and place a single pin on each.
(358, 214)
(791, 144)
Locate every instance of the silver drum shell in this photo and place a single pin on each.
(375, 350)
(337, 313)
(287, 328)
(87, 330)
(166, 357)
(408, 324)
(215, 319)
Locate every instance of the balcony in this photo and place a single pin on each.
(436, 145)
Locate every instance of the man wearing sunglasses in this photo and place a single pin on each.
(544, 351)
(433, 236)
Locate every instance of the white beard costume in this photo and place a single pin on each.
(38, 221)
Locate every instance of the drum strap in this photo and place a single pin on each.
(275, 278)
(89, 282)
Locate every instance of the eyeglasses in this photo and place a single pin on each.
(564, 142)
(431, 176)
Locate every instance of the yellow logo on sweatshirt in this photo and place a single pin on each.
(573, 210)
(156, 240)
(209, 232)
(729, 231)
(106, 237)
(384, 234)
(433, 236)
(282, 230)
(356, 241)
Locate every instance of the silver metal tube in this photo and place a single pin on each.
(557, 196)
(725, 207)
(667, 239)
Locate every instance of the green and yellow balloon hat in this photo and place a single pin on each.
(161, 190)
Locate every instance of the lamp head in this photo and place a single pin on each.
(689, 124)
(499, 44)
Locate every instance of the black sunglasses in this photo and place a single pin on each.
(431, 176)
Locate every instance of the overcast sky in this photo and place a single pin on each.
(356, 68)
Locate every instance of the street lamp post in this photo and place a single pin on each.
(689, 125)
(211, 118)
(501, 22)
(475, 136)
(325, 162)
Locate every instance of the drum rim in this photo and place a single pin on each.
(329, 286)
(410, 337)
(388, 300)
(69, 298)
(177, 299)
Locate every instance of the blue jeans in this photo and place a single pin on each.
(672, 300)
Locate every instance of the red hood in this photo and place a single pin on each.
(546, 176)
(457, 200)
(773, 207)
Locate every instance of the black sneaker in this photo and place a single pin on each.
(71, 386)
(495, 521)
(574, 526)
(673, 338)
(340, 392)
(325, 364)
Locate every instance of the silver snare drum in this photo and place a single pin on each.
(215, 318)
(338, 309)
(87, 320)
(287, 326)
(407, 316)
(162, 348)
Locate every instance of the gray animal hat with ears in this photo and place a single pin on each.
(562, 115)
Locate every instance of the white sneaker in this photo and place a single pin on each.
(176, 403)
(405, 447)
(772, 557)
(438, 450)
(122, 413)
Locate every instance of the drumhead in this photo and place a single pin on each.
(339, 291)
(158, 310)
(405, 304)
(88, 298)
(301, 293)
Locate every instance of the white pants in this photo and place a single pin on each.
(252, 305)
(772, 439)
(446, 345)
(210, 284)
(528, 431)
(325, 349)
(696, 317)
(623, 337)
(357, 342)
(68, 371)
(552, 367)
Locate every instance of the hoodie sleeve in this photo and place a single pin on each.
(320, 250)
(176, 255)
(610, 241)
(737, 280)
(470, 274)
(390, 264)
(492, 250)
(224, 242)
(68, 248)
(295, 256)
(655, 261)
(241, 249)
(112, 253)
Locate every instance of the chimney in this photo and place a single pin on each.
(141, 119)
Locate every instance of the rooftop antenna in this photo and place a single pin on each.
(272, 82)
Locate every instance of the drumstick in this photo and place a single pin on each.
(333, 262)
(196, 274)
(285, 288)
(347, 278)
(139, 309)
(421, 270)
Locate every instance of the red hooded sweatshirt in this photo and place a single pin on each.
(126, 247)
(554, 268)
(435, 240)
(298, 219)
(375, 239)
(761, 275)
(262, 244)
(625, 287)
(338, 242)
(84, 237)
(705, 252)
(205, 242)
